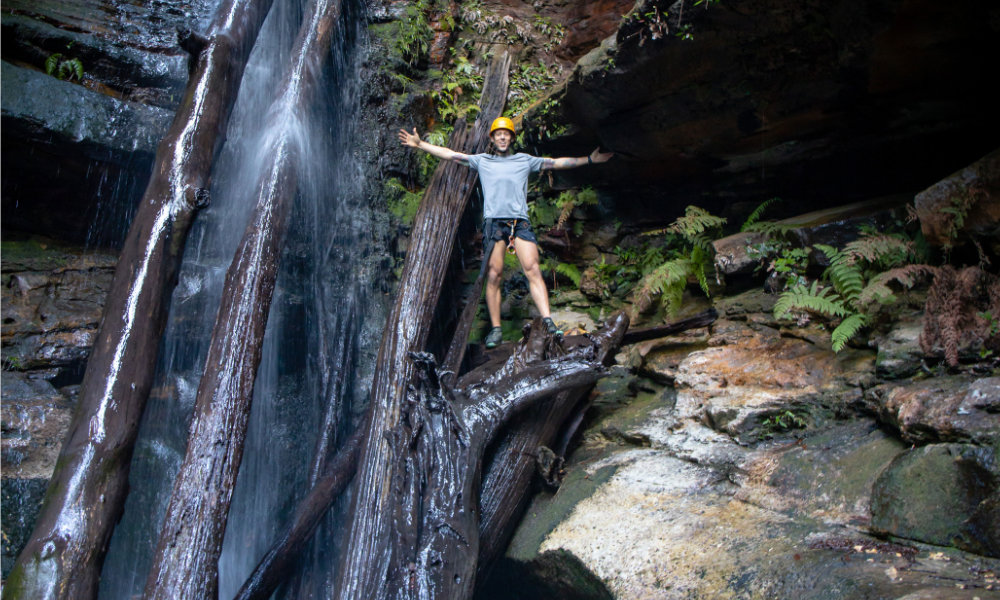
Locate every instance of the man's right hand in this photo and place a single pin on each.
(409, 139)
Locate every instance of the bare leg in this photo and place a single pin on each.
(527, 253)
(494, 269)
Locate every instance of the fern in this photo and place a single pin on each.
(669, 280)
(847, 329)
(813, 299)
(757, 212)
(695, 221)
(843, 272)
(52, 63)
(878, 289)
(570, 271)
(881, 249)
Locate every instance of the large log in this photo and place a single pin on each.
(438, 447)
(86, 495)
(510, 467)
(368, 549)
(185, 564)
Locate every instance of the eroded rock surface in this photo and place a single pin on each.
(758, 474)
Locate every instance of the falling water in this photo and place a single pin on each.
(322, 328)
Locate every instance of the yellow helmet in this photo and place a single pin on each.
(502, 123)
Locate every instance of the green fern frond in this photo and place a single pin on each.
(847, 329)
(571, 271)
(669, 279)
(843, 272)
(813, 299)
(702, 242)
(695, 220)
(757, 212)
(880, 248)
(51, 63)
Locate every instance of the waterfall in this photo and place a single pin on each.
(323, 328)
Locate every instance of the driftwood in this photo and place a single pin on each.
(438, 447)
(86, 495)
(185, 564)
(368, 549)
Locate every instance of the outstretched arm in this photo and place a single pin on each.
(570, 163)
(413, 140)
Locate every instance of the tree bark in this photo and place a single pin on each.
(185, 564)
(279, 558)
(86, 494)
(438, 447)
(367, 554)
(510, 468)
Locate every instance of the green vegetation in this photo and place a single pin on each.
(856, 284)
(695, 232)
(779, 423)
(63, 67)
(402, 202)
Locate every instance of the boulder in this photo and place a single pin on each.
(754, 382)
(963, 206)
(899, 353)
(958, 408)
(943, 494)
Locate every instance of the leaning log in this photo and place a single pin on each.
(185, 564)
(86, 495)
(368, 549)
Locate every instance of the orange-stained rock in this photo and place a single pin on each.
(966, 203)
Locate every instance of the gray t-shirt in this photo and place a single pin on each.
(505, 183)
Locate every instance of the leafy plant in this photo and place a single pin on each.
(402, 202)
(62, 67)
(960, 309)
(695, 231)
(858, 284)
(570, 199)
(781, 422)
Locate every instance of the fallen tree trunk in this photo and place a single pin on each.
(438, 446)
(366, 558)
(511, 467)
(185, 564)
(86, 495)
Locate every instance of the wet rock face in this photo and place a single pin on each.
(52, 298)
(816, 102)
(79, 142)
(749, 375)
(75, 160)
(710, 488)
(945, 494)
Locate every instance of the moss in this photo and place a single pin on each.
(548, 510)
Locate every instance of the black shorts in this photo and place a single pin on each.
(499, 230)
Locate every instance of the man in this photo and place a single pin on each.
(504, 179)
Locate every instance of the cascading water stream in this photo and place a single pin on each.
(323, 321)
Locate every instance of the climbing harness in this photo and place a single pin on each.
(513, 230)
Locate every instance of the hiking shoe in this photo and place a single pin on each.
(551, 326)
(494, 337)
